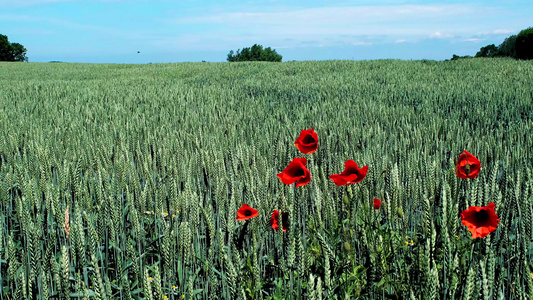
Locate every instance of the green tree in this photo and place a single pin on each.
(231, 56)
(19, 52)
(488, 51)
(11, 51)
(6, 51)
(508, 47)
(254, 53)
(524, 44)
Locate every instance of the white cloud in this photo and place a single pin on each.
(495, 34)
(33, 31)
(361, 43)
(439, 35)
(332, 26)
(33, 25)
(21, 18)
(334, 15)
(502, 31)
(28, 2)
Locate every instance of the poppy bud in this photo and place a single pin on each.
(346, 200)
(399, 211)
(347, 247)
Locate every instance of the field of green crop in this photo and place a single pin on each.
(124, 181)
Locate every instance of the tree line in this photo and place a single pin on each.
(11, 51)
(519, 46)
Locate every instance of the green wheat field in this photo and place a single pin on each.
(124, 181)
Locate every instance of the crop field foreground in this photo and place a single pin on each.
(124, 181)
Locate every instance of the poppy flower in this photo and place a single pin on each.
(296, 172)
(351, 174)
(274, 220)
(480, 220)
(307, 142)
(377, 203)
(246, 212)
(467, 166)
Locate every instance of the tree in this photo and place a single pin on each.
(231, 57)
(254, 53)
(524, 44)
(19, 52)
(508, 47)
(11, 51)
(488, 51)
(5, 49)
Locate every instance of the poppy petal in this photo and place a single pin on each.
(377, 203)
(305, 180)
(466, 159)
(274, 220)
(307, 142)
(480, 220)
(351, 174)
(296, 172)
(246, 212)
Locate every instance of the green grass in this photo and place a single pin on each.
(198, 140)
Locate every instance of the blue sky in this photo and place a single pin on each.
(112, 31)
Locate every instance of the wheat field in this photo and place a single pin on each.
(124, 181)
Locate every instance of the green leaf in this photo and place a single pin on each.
(381, 282)
(91, 294)
(180, 277)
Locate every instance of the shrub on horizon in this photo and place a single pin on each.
(254, 53)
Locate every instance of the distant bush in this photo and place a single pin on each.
(254, 53)
(488, 51)
(457, 57)
(524, 44)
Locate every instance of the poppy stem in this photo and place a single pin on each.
(294, 201)
(473, 244)
(469, 188)
(240, 241)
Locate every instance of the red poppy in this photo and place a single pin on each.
(480, 220)
(351, 174)
(296, 172)
(274, 220)
(246, 212)
(307, 142)
(467, 166)
(377, 203)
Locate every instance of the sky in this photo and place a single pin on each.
(166, 31)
